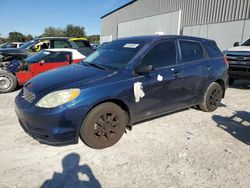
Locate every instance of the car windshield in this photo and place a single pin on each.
(38, 57)
(27, 44)
(115, 55)
(247, 43)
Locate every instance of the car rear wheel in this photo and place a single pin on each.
(103, 126)
(212, 98)
(8, 82)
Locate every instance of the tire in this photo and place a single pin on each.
(231, 81)
(8, 82)
(212, 98)
(103, 126)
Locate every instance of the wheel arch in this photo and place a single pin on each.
(121, 104)
(222, 84)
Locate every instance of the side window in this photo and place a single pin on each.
(39, 45)
(161, 55)
(212, 49)
(191, 51)
(61, 44)
(59, 57)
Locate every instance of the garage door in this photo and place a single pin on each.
(168, 23)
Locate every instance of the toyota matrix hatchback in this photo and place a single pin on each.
(125, 81)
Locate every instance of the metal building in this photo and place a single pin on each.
(225, 21)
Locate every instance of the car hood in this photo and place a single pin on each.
(14, 52)
(239, 49)
(65, 77)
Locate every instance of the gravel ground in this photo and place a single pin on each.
(190, 148)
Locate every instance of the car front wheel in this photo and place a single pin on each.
(8, 82)
(103, 126)
(212, 98)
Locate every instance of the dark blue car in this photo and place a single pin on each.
(124, 82)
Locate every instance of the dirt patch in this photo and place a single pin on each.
(185, 149)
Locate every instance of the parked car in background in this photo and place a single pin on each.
(34, 46)
(11, 45)
(18, 72)
(126, 81)
(239, 61)
(3, 45)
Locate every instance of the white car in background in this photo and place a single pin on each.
(239, 61)
(12, 45)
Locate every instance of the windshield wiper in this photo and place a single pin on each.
(96, 66)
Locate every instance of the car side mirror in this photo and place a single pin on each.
(144, 69)
(236, 44)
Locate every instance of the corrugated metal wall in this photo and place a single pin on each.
(194, 12)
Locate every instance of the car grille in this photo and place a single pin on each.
(28, 96)
(238, 57)
(239, 69)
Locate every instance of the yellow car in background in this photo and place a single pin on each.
(38, 44)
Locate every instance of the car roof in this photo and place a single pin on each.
(47, 38)
(150, 38)
(75, 53)
(63, 38)
(76, 39)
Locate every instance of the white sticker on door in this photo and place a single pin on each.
(138, 91)
(159, 78)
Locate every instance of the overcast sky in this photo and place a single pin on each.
(32, 16)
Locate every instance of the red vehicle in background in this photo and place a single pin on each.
(19, 72)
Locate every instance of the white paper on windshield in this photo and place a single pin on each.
(130, 45)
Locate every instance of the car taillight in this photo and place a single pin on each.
(226, 62)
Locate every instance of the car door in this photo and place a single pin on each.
(195, 71)
(55, 60)
(156, 89)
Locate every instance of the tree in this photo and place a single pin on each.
(16, 37)
(2, 40)
(28, 37)
(95, 39)
(53, 32)
(75, 31)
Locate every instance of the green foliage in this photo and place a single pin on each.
(95, 39)
(28, 37)
(75, 31)
(70, 31)
(53, 32)
(16, 37)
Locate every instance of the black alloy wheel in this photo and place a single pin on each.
(212, 98)
(103, 126)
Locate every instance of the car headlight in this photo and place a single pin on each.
(58, 98)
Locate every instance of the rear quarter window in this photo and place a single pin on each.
(82, 44)
(212, 49)
(191, 51)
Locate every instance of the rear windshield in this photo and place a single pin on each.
(82, 43)
(115, 55)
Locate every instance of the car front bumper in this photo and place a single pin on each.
(58, 126)
(239, 71)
